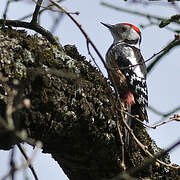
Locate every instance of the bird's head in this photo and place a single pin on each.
(125, 32)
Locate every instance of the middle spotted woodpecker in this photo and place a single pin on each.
(128, 70)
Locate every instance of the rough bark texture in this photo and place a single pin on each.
(72, 110)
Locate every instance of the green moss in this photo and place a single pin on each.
(72, 109)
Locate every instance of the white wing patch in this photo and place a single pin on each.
(131, 57)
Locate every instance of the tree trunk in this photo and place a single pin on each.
(73, 110)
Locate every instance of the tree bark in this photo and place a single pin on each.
(72, 110)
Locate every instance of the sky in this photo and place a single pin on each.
(163, 81)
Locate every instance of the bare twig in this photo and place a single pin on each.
(81, 29)
(32, 25)
(166, 49)
(9, 108)
(19, 135)
(159, 18)
(27, 159)
(35, 27)
(56, 22)
(26, 164)
(145, 149)
(170, 46)
(176, 117)
(165, 22)
(157, 24)
(89, 52)
(136, 118)
(36, 12)
(127, 175)
(13, 168)
(6, 9)
(40, 11)
(12, 164)
(48, 7)
(154, 110)
(164, 114)
(156, 158)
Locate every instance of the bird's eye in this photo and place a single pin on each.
(123, 29)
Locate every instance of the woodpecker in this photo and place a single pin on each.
(127, 70)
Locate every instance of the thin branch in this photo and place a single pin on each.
(12, 164)
(48, 7)
(159, 18)
(155, 158)
(36, 12)
(157, 24)
(166, 50)
(148, 162)
(154, 110)
(6, 9)
(89, 52)
(40, 11)
(81, 29)
(56, 22)
(137, 119)
(171, 112)
(161, 123)
(28, 160)
(13, 168)
(19, 135)
(26, 164)
(172, 19)
(145, 149)
(34, 27)
(175, 118)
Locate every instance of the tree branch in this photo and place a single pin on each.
(28, 160)
(165, 51)
(34, 27)
(149, 16)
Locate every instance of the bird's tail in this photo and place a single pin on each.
(135, 110)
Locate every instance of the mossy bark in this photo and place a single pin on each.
(72, 109)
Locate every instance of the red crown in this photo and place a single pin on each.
(134, 27)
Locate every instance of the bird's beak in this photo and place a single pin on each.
(109, 26)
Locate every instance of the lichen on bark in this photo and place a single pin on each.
(72, 109)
